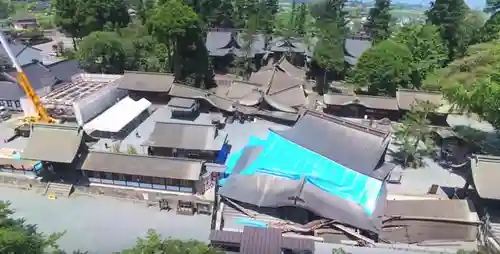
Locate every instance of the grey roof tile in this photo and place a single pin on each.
(281, 44)
(186, 136)
(374, 102)
(53, 142)
(39, 76)
(65, 69)
(221, 43)
(346, 140)
(146, 81)
(174, 168)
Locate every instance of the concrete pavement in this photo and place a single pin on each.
(101, 224)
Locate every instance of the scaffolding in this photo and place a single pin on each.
(60, 102)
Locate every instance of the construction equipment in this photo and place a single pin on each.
(22, 80)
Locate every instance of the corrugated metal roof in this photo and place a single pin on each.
(53, 142)
(174, 168)
(261, 240)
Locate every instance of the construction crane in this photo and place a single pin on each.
(22, 80)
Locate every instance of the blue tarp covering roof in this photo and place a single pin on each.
(283, 158)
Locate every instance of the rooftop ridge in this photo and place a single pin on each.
(186, 124)
(358, 126)
(418, 91)
(148, 156)
(149, 72)
(486, 158)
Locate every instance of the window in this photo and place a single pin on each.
(18, 104)
(185, 183)
(108, 176)
(158, 180)
(145, 179)
(172, 182)
(9, 104)
(2, 103)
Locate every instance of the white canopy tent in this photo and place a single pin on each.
(114, 119)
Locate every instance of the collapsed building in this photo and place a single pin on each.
(85, 97)
(325, 179)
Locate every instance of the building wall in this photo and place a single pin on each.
(137, 181)
(357, 111)
(93, 105)
(11, 105)
(209, 156)
(22, 25)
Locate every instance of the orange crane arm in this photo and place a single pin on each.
(23, 81)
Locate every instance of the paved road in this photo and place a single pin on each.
(101, 224)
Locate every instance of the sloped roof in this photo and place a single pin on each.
(485, 175)
(146, 81)
(353, 145)
(374, 102)
(401, 223)
(217, 101)
(282, 44)
(354, 47)
(65, 69)
(221, 43)
(53, 142)
(246, 93)
(40, 77)
(185, 136)
(408, 98)
(173, 168)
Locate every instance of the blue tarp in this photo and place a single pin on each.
(250, 222)
(286, 159)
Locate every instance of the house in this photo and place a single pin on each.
(24, 21)
(407, 99)
(193, 141)
(24, 54)
(149, 85)
(354, 47)
(43, 78)
(359, 106)
(54, 143)
(161, 176)
(302, 161)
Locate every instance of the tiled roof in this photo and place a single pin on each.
(281, 44)
(339, 140)
(374, 102)
(174, 168)
(408, 98)
(221, 43)
(146, 81)
(39, 76)
(65, 69)
(53, 142)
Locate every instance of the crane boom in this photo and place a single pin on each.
(23, 81)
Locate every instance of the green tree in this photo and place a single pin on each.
(102, 52)
(383, 68)
(413, 134)
(169, 23)
(300, 22)
(18, 237)
(491, 29)
(481, 62)
(69, 18)
(426, 48)
(5, 9)
(449, 16)
(329, 50)
(154, 243)
(378, 20)
(329, 53)
(144, 8)
(245, 65)
(473, 23)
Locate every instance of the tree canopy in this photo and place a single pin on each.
(102, 52)
(18, 237)
(378, 20)
(384, 68)
(153, 243)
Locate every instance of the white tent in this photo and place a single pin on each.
(118, 116)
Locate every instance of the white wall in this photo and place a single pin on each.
(93, 105)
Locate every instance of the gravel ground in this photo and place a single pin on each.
(102, 224)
